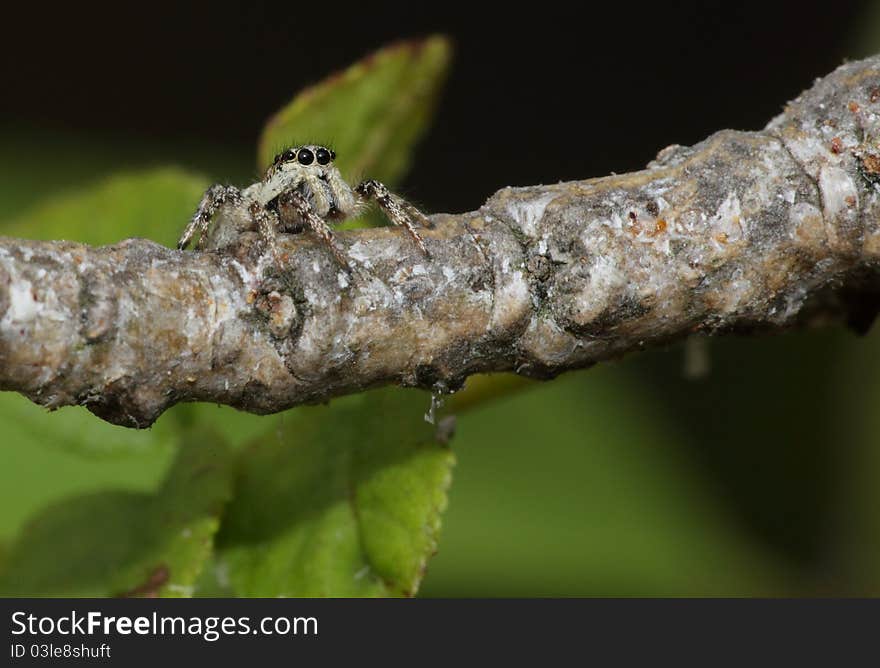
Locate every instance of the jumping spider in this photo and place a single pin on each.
(301, 188)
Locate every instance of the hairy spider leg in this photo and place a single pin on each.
(298, 202)
(215, 197)
(398, 211)
(267, 225)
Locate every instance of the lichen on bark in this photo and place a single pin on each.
(745, 231)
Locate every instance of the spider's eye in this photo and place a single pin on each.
(276, 159)
(305, 156)
(323, 156)
(332, 154)
(288, 155)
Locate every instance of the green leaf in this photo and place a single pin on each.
(372, 113)
(239, 428)
(126, 543)
(155, 204)
(346, 503)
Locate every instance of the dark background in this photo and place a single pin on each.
(539, 92)
(557, 490)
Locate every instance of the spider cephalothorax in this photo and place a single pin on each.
(302, 188)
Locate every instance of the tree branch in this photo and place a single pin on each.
(745, 231)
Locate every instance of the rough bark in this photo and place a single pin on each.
(745, 231)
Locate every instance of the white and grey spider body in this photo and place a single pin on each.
(301, 189)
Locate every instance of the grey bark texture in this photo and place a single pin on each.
(746, 231)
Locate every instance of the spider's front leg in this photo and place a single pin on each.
(293, 204)
(215, 197)
(267, 226)
(399, 211)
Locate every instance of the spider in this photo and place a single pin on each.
(302, 187)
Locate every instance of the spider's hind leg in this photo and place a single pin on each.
(399, 211)
(215, 197)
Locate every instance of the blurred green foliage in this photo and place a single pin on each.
(116, 542)
(149, 203)
(627, 479)
(761, 479)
